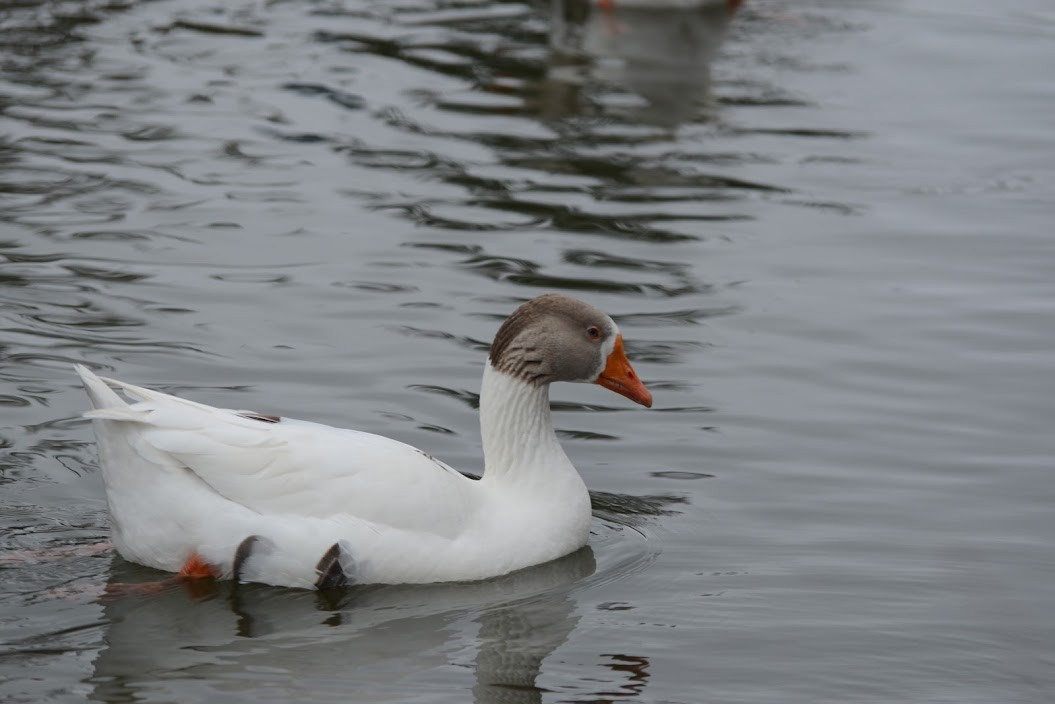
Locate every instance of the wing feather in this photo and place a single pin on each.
(300, 468)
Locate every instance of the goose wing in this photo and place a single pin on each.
(290, 467)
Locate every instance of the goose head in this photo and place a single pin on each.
(559, 338)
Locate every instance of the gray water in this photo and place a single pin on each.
(825, 229)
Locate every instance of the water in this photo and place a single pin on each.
(824, 228)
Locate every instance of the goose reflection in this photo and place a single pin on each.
(301, 646)
(659, 51)
(205, 641)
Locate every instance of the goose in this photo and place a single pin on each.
(246, 496)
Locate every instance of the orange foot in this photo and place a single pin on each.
(199, 577)
(196, 575)
(196, 567)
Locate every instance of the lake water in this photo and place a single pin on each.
(825, 228)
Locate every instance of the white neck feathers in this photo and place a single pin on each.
(517, 431)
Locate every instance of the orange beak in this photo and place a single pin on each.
(620, 377)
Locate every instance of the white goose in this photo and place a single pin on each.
(229, 494)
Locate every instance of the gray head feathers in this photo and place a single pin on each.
(553, 338)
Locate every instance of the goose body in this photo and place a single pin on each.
(205, 491)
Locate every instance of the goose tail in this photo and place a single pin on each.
(99, 393)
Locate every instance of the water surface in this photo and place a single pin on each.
(825, 232)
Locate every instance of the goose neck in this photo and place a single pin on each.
(517, 429)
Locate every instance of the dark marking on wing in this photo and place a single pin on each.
(442, 465)
(262, 417)
(331, 575)
(242, 553)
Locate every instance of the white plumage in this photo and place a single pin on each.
(264, 501)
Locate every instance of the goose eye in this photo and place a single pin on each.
(594, 332)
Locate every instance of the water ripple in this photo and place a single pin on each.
(326, 202)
